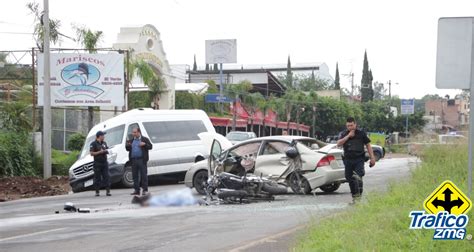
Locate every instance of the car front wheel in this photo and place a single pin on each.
(330, 187)
(200, 181)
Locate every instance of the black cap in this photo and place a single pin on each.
(100, 133)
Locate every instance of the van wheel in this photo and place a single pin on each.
(127, 177)
(200, 181)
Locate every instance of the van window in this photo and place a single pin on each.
(114, 136)
(174, 131)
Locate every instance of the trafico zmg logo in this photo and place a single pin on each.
(446, 209)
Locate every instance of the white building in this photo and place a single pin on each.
(144, 43)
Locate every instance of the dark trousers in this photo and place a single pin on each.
(139, 174)
(101, 176)
(354, 171)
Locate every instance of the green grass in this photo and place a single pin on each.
(381, 224)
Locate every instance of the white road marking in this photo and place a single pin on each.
(30, 234)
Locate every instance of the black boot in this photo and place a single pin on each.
(97, 193)
(108, 192)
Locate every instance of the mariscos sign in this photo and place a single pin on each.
(84, 79)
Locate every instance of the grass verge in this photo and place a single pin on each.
(381, 224)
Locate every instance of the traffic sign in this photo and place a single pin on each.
(447, 197)
(407, 106)
(216, 98)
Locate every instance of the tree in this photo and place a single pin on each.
(38, 33)
(207, 67)
(251, 103)
(265, 105)
(366, 82)
(310, 83)
(337, 84)
(89, 40)
(216, 67)
(155, 83)
(237, 91)
(379, 91)
(14, 117)
(195, 67)
(289, 74)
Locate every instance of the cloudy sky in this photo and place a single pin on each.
(399, 36)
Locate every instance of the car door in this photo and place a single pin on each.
(240, 150)
(272, 161)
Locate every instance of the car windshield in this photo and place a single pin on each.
(235, 136)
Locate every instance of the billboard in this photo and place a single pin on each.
(454, 56)
(79, 79)
(221, 51)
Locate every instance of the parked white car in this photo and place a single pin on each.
(320, 169)
(173, 133)
(236, 137)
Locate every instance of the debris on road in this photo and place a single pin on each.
(12, 188)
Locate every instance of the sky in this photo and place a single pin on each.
(399, 36)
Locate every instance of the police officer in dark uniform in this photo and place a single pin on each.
(353, 141)
(98, 150)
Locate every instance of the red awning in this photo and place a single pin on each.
(219, 121)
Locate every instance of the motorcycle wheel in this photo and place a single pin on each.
(300, 187)
(274, 189)
(224, 194)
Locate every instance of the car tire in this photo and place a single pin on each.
(274, 189)
(330, 187)
(200, 181)
(377, 155)
(305, 186)
(127, 177)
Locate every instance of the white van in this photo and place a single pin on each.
(173, 133)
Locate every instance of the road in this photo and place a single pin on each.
(116, 225)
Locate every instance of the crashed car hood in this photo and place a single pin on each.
(207, 138)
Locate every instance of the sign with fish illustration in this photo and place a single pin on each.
(84, 79)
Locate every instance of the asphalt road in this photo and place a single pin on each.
(116, 225)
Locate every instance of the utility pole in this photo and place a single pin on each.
(389, 90)
(47, 95)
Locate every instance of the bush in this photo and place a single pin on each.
(61, 162)
(16, 151)
(76, 141)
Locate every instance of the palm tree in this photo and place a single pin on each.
(155, 83)
(265, 105)
(89, 40)
(54, 25)
(236, 91)
(251, 102)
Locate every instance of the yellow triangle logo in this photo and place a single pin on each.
(447, 197)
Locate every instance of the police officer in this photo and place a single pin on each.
(138, 148)
(98, 150)
(353, 141)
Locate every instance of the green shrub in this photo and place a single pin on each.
(61, 162)
(76, 141)
(16, 152)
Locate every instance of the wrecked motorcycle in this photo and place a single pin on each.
(231, 180)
